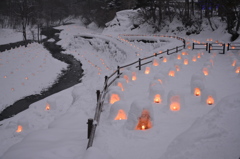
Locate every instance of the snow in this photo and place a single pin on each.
(26, 71)
(197, 130)
(9, 36)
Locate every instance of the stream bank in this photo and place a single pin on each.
(66, 79)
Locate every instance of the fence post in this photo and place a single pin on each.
(90, 124)
(228, 47)
(184, 43)
(167, 52)
(206, 46)
(118, 70)
(192, 45)
(209, 47)
(105, 82)
(224, 48)
(139, 63)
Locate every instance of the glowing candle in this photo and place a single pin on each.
(19, 129)
(197, 92)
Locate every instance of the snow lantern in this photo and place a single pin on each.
(147, 70)
(156, 93)
(134, 76)
(164, 59)
(160, 78)
(205, 71)
(23, 124)
(126, 75)
(179, 57)
(196, 87)
(140, 115)
(19, 129)
(47, 106)
(51, 104)
(171, 72)
(234, 62)
(177, 67)
(133, 73)
(118, 111)
(121, 83)
(155, 62)
(114, 94)
(121, 115)
(175, 104)
(194, 58)
(144, 121)
(184, 53)
(208, 97)
(175, 101)
(199, 55)
(237, 69)
(185, 61)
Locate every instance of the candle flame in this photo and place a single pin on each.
(197, 92)
(114, 98)
(19, 129)
(210, 100)
(147, 70)
(47, 107)
(157, 98)
(171, 73)
(120, 85)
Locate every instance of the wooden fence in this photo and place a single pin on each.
(92, 123)
(216, 46)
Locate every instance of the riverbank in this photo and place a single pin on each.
(68, 78)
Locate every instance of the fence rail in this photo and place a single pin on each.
(233, 46)
(216, 46)
(92, 123)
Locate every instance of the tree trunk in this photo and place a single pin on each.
(24, 31)
(238, 23)
(187, 9)
(159, 13)
(192, 7)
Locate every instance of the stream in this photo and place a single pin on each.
(67, 78)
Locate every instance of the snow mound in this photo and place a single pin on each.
(214, 136)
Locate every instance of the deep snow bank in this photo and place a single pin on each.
(214, 136)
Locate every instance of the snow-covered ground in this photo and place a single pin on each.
(10, 36)
(26, 71)
(197, 130)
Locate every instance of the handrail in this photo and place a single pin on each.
(101, 95)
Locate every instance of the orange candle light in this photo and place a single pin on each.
(19, 129)
(197, 92)
(114, 98)
(171, 73)
(210, 100)
(157, 98)
(147, 70)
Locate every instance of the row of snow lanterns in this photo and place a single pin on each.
(156, 94)
(24, 124)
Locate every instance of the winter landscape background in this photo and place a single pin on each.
(55, 127)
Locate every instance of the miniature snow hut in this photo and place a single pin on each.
(118, 111)
(115, 94)
(208, 97)
(140, 115)
(175, 101)
(156, 93)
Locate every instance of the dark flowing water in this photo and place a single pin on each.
(68, 78)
